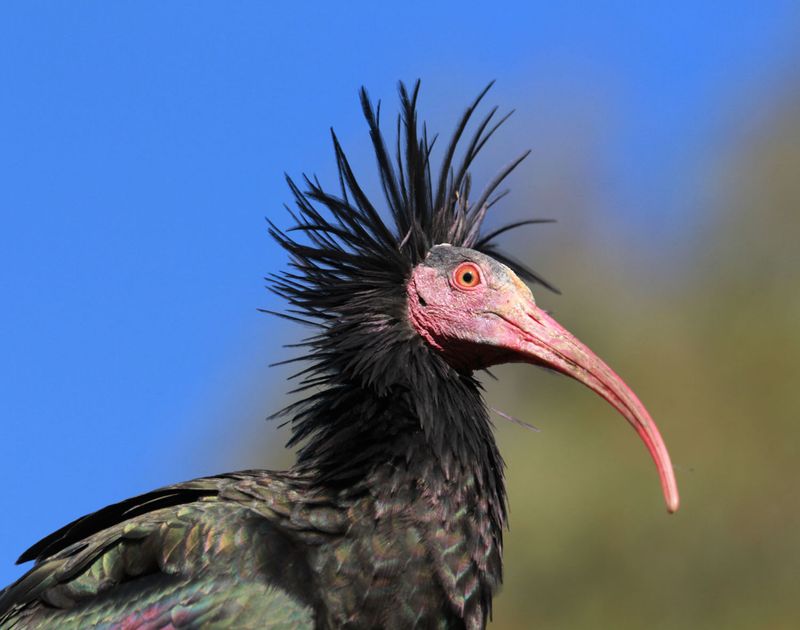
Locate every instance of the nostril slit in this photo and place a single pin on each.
(422, 301)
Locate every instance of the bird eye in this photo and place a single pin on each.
(467, 276)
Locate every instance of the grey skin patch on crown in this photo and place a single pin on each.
(445, 257)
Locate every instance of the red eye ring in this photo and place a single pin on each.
(467, 276)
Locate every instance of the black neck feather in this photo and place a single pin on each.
(421, 416)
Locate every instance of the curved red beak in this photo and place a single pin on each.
(539, 339)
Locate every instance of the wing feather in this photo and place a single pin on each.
(207, 553)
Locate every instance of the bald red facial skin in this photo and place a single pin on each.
(497, 321)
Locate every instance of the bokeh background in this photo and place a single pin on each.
(142, 145)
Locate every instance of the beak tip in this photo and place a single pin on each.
(671, 496)
(673, 503)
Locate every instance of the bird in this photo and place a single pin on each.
(393, 514)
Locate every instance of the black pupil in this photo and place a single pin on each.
(467, 277)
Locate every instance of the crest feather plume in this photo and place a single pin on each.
(350, 251)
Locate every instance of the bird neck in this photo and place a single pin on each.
(425, 424)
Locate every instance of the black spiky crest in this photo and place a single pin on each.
(370, 376)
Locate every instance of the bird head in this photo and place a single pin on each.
(477, 313)
(378, 290)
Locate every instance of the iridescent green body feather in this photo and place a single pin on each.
(264, 550)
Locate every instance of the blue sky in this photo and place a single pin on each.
(142, 145)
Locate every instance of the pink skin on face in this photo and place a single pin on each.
(497, 321)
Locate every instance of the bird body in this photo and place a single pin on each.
(393, 515)
(394, 551)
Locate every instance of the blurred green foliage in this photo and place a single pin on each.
(712, 347)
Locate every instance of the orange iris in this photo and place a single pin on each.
(467, 276)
